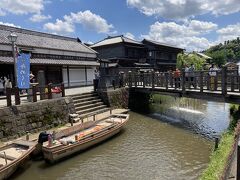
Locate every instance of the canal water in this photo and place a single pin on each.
(148, 148)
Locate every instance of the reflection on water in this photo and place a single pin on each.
(207, 118)
(146, 149)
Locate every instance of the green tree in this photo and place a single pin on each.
(188, 59)
(218, 57)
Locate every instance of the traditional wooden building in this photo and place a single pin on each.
(62, 59)
(128, 54)
(122, 52)
(161, 56)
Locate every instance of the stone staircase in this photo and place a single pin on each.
(88, 104)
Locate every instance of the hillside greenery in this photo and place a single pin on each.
(223, 53)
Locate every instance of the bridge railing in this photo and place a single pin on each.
(219, 81)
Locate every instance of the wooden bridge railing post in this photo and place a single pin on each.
(183, 81)
(153, 79)
(224, 83)
(216, 81)
(171, 79)
(8, 96)
(195, 80)
(130, 78)
(17, 96)
(232, 82)
(201, 81)
(166, 80)
(135, 79)
(143, 78)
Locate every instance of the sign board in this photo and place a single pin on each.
(23, 71)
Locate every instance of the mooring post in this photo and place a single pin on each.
(238, 161)
(71, 119)
(216, 144)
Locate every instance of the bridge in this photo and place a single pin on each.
(222, 86)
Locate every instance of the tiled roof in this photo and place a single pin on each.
(203, 55)
(115, 40)
(161, 44)
(9, 60)
(36, 39)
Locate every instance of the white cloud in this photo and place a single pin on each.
(229, 32)
(39, 17)
(90, 21)
(59, 27)
(22, 6)
(188, 35)
(182, 9)
(87, 19)
(129, 35)
(9, 24)
(202, 26)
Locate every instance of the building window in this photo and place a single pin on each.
(150, 53)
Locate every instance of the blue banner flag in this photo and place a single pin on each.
(23, 71)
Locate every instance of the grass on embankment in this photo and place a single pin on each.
(218, 159)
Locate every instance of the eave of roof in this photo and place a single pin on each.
(9, 60)
(161, 44)
(115, 40)
(29, 38)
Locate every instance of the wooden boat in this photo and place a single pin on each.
(82, 136)
(13, 155)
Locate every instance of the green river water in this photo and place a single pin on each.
(150, 147)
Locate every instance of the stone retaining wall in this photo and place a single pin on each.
(15, 121)
(117, 98)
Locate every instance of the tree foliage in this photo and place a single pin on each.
(188, 59)
(227, 52)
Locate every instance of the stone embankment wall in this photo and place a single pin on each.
(117, 98)
(15, 121)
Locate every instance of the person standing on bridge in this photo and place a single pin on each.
(191, 74)
(176, 76)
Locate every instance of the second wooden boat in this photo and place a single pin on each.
(13, 155)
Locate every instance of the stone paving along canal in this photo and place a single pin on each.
(146, 149)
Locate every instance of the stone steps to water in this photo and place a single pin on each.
(94, 113)
(87, 102)
(75, 101)
(83, 96)
(89, 110)
(91, 105)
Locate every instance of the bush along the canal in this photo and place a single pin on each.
(221, 159)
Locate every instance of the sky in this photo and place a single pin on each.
(194, 25)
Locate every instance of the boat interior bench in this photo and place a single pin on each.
(93, 114)
(7, 156)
